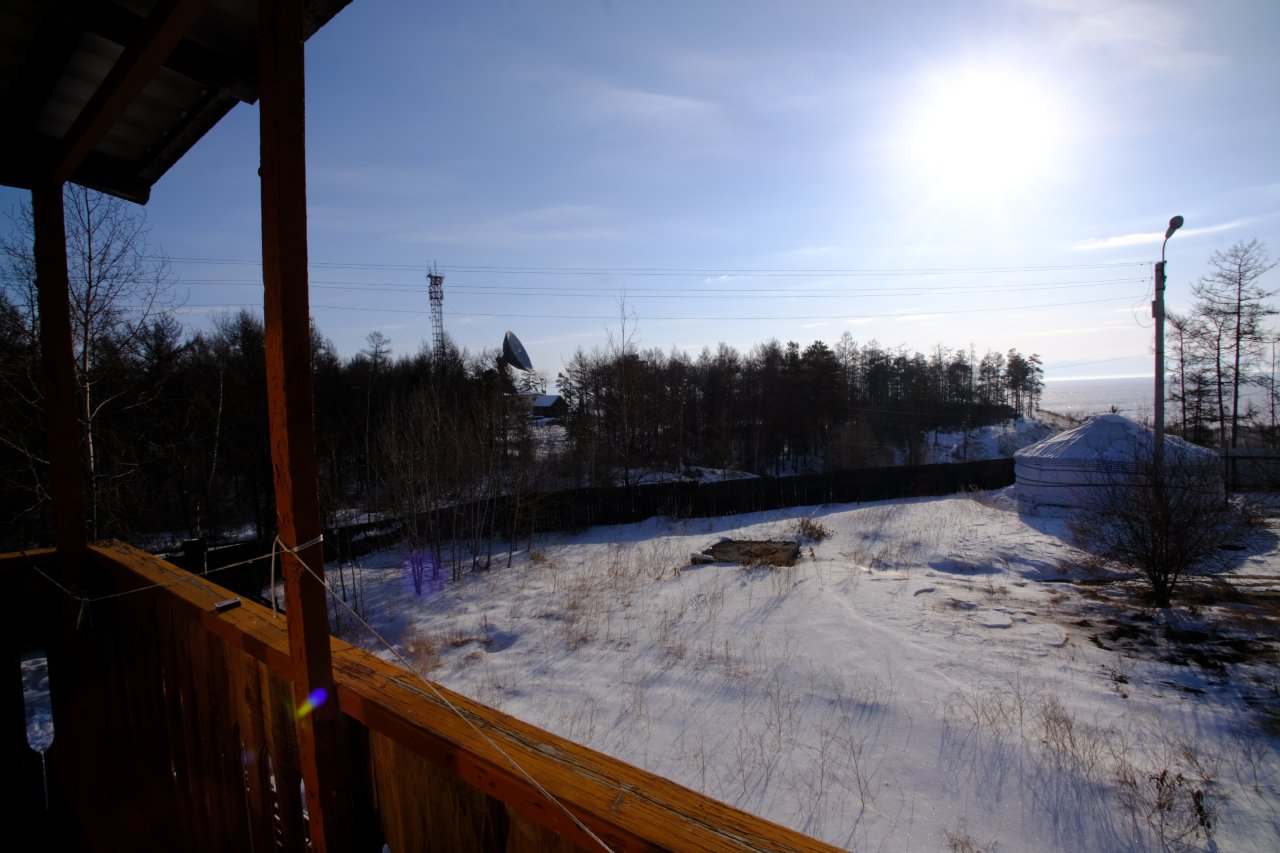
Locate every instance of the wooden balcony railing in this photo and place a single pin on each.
(182, 734)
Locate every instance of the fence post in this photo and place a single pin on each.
(195, 555)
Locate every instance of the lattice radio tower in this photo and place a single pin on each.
(435, 294)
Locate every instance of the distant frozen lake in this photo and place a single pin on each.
(1132, 397)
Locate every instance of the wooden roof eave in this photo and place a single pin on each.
(210, 44)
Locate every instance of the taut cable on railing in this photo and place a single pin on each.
(85, 601)
(277, 543)
(444, 699)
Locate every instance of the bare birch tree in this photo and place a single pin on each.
(116, 291)
(1232, 299)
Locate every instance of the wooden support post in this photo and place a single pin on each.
(65, 646)
(289, 401)
(58, 363)
(195, 556)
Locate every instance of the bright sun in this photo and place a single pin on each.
(983, 133)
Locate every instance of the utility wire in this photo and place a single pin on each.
(681, 293)
(744, 272)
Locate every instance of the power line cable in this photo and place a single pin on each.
(706, 317)
(744, 272)
(683, 292)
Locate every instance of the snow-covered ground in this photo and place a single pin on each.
(938, 670)
(987, 442)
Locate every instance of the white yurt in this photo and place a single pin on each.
(1069, 470)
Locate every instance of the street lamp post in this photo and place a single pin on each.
(1157, 311)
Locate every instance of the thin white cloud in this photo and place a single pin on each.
(1146, 238)
(662, 123)
(562, 338)
(386, 178)
(538, 225)
(642, 106)
(1151, 34)
(806, 253)
(1057, 333)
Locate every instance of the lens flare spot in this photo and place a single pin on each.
(313, 701)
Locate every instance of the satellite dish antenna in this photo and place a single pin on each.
(513, 353)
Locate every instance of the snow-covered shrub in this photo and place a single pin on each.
(1163, 523)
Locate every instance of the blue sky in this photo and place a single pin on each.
(1019, 152)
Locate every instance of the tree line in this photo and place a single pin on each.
(1220, 349)
(175, 422)
(778, 408)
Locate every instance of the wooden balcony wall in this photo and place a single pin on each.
(183, 737)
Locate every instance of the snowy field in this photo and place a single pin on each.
(937, 672)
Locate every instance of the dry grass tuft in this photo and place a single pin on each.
(423, 651)
(1173, 797)
(809, 529)
(960, 841)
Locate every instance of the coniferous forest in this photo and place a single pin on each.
(175, 421)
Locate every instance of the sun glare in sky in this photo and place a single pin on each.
(983, 133)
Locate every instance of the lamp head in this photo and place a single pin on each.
(1174, 224)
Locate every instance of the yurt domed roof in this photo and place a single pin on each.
(1109, 438)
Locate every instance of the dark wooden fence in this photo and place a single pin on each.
(578, 509)
(1252, 470)
(581, 508)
